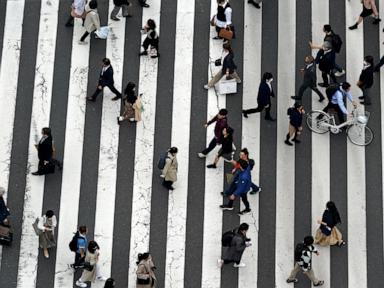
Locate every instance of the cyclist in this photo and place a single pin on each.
(336, 101)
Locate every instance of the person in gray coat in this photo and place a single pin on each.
(309, 80)
(235, 251)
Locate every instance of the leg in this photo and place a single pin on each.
(302, 89)
(146, 43)
(85, 35)
(210, 147)
(294, 272)
(70, 21)
(126, 9)
(215, 79)
(324, 75)
(268, 113)
(114, 91)
(311, 275)
(97, 92)
(340, 114)
(259, 108)
(332, 76)
(114, 12)
(338, 67)
(230, 203)
(236, 76)
(244, 198)
(254, 188)
(318, 92)
(366, 95)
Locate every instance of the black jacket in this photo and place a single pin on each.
(228, 64)
(263, 97)
(310, 75)
(106, 78)
(226, 144)
(326, 61)
(295, 118)
(4, 212)
(44, 149)
(366, 77)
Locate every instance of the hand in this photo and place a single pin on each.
(232, 197)
(162, 176)
(310, 44)
(354, 103)
(248, 243)
(318, 221)
(46, 162)
(205, 125)
(100, 87)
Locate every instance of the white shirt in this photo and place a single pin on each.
(228, 17)
(79, 6)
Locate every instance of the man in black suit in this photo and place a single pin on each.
(326, 60)
(44, 152)
(309, 80)
(143, 3)
(106, 79)
(263, 98)
(366, 80)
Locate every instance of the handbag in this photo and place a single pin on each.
(145, 281)
(36, 228)
(218, 62)
(103, 32)
(226, 33)
(213, 20)
(88, 266)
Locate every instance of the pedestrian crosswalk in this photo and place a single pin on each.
(110, 181)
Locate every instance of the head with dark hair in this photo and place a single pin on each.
(109, 283)
(173, 150)
(309, 59)
(298, 105)
(151, 24)
(243, 164)
(369, 60)
(308, 240)
(106, 61)
(245, 151)
(46, 131)
(267, 76)
(129, 88)
(93, 246)
(327, 28)
(223, 112)
(243, 227)
(49, 214)
(345, 86)
(93, 4)
(227, 46)
(142, 256)
(334, 212)
(83, 229)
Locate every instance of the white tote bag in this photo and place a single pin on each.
(227, 86)
(103, 32)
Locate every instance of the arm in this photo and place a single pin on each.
(96, 20)
(374, 8)
(228, 16)
(40, 224)
(340, 102)
(214, 119)
(166, 167)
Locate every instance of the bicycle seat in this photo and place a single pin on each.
(362, 119)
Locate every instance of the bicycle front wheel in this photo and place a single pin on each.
(316, 120)
(360, 134)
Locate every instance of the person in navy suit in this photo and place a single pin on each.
(263, 98)
(106, 79)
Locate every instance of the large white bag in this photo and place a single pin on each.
(225, 86)
(103, 32)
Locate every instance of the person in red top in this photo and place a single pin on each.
(221, 123)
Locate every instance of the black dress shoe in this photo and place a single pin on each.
(145, 5)
(36, 173)
(295, 98)
(116, 98)
(245, 114)
(321, 99)
(143, 53)
(353, 27)
(115, 19)
(361, 97)
(91, 99)
(118, 120)
(323, 85)
(365, 103)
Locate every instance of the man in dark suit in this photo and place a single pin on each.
(366, 80)
(326, 60)
(106, 79)
(309, 80)
(263, 98)
(44, 151)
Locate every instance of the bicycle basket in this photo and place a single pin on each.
(361, 117)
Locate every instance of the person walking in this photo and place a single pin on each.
(369, 9)
(91, 270)
(143, 3)
(327, 233)
(151, 39)
(105, 80)
(228, 67)
(366, 80)
(44, 153)
(81, 241)
(124, 5)
(336, 43)
(239, 187)
(309, 79)
(221, 122)
(110, 283)
(303, 262)
(263, 98)
(255, 3)
(4, 211)
(295, 123)
(326, 60)
(337, 101)
(227, 147)
(47, 224)
(77, 11)
(237, 246)
(132, 105)
(223, 17)
(92, 20)
(169, 172)
(146, 277)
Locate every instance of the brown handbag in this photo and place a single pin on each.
(226, 33)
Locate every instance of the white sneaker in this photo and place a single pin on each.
(201, 155)
(339, 74)
(101, 278)
(240, 265)
(81, 284)
(220, 263)
(206, 86)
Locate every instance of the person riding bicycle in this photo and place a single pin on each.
(336, 100)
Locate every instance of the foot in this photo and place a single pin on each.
(118, 120)
(376, 21)
(145, 5)
(91, 99)
(288, 142)
(220, 263)
(244, 212)
(323, 85)
(341, 244)
(296, 141)
(238, 81)
(253, 192)
(36, 173)
(245, 114)
(80, 284)
(353, 27)
(211, 166)
(294, 280)
(321, 99)
(240, 265)
(226, 207)
(365, 103)
(201, 155)
(269, 118)
(206, 86)
(101, 278)
(295, 97)
(217, 38)
(116, 98)
(321, 282)
(46, 254)
(82, 42)
(115, 19)
(340, 73)
(361, 97)
(156, 56)
(143, 53)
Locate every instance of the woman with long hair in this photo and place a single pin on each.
(327, 233)
(145, 276)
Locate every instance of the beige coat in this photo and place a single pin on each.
(137, 106)
(144, 270)
(92, 19)
(170, 168)
(93, 259)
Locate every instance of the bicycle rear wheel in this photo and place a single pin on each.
(316, 120)
(360, 134)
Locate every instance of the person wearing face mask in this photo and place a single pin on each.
(309, 80)
(223, 18)
(366, 80)
(228, 69)
(263, 98)
(326, 60)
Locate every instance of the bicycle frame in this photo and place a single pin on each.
(337, 128)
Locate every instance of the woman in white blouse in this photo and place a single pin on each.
(47, 224)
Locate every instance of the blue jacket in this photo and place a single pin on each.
(243, 182)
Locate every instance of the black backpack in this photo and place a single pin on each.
(227, 237)
(290, 110)
(73, 243)
(299, 251)
(331, 90)
(162, 160)
(336, 43)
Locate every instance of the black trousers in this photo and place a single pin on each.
(111, 87)
(244, 198)
(260, 108)
(324, 75)
(304, 87)
(79, 261)
(85, 35)
(210, 147)
(335, 107)
(167, 184)
(153, 42)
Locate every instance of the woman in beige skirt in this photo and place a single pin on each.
(327, 233)
(132, 105)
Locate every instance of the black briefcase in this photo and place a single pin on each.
(5, 235)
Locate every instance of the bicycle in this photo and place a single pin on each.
(357, 130)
